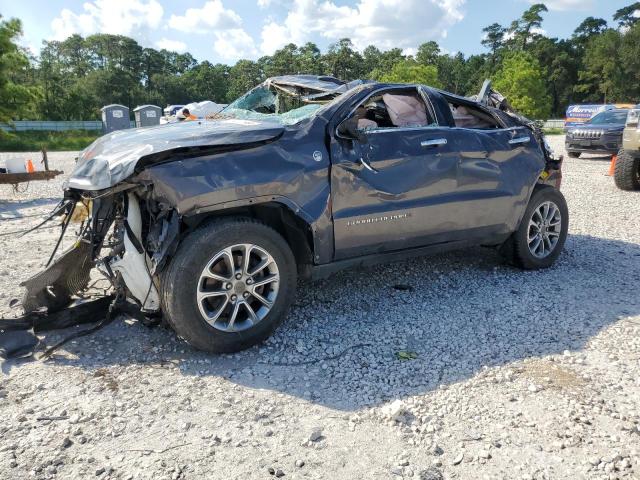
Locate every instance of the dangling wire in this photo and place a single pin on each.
(66, 223)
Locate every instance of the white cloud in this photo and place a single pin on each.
(234, 44)
(274, 36)
(410, 51)
(212, 15)
(171, 45)
(118, 17)
(231, 41)
(512, 35)
(384, 23)
(264, 3)
(566, 4)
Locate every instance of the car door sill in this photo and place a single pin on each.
(319, 272)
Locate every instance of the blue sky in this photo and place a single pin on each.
(226, 30)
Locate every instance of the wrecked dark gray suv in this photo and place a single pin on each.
(211, 222)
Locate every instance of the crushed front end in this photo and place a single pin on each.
(110, 238)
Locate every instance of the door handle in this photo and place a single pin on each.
(433, 143)
(366, 165)
(519, 140)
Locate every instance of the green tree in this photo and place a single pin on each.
(409, 71)
(560, 65)
(493, 39)
(602, 76)
(627, 16)
(17, 100)
(523, 29)
(589, 27)
(428, 53)
(207, 82)
(243, 76)
(310, 59)
(73, 78)
(630, 64)
(371, 57)
(343, 61)
(283, 61)
(521, 80)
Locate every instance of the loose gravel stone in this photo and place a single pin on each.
(315, 435)
(137, 402)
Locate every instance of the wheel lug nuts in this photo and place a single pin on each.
(228, 286)
(249, 281)
(245, 294)
(233, 298)
(238, 276)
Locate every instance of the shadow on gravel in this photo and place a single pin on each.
(13, 209)
(458, 313)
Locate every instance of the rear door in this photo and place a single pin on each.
(497, 168)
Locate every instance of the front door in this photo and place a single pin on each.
(393, 191)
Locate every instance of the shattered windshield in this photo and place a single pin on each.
(283, 104)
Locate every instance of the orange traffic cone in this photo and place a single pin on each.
(30, 167)
(612, 167)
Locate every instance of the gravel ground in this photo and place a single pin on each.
(507, 374)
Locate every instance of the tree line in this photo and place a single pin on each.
(72, 79)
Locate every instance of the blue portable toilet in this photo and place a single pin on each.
(115, 117)
(147, 115)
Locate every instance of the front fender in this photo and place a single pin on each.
(293, 171)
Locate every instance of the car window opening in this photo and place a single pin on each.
(393, 109)
(466, 116)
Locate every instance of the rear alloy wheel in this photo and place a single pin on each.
(229, 285)
(542, 232)
(545, 227)
(627, 171)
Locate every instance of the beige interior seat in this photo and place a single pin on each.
(405, 110)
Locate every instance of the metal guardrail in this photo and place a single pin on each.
(50, 125)
(554, 123)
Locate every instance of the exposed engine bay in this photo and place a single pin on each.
(110, 238)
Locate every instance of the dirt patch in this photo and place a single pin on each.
(551, 375)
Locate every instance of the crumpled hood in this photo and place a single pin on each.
(113, 157)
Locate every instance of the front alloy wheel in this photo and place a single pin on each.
(238, 287)
(229, 285)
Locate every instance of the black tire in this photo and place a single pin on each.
(573, 154)
(182, 276)
(627, 171)
(516, 248)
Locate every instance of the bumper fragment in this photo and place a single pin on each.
(52, 288)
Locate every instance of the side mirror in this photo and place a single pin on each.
(349, 129)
